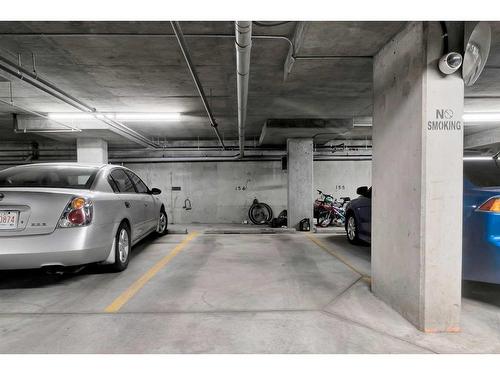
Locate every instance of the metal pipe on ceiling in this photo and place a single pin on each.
(69, 127)
(147, 35)
(129, 133)
(191, 159)
(175, 159)
(232, 158)
(42, 154)
(22, 73)
(333, 57)
(187, 56)
(34, 79)
(17, 71)
(243, 33)
(49, 88)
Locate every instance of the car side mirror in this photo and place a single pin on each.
(362, 190)
(155, 191)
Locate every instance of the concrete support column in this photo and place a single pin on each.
(417, 180)
(92, 150)
(300, 180)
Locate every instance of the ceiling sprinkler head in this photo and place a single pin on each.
(450, 62)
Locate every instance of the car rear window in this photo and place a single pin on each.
(483, 173)
(65, 177)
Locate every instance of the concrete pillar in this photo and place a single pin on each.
(300, 180)
(417, 180)
(92, 150)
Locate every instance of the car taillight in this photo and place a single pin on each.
(491, 205)
(77, 213)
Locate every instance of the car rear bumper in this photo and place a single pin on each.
(63, 247)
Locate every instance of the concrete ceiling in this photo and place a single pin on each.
(127, 72)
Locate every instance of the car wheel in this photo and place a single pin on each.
(162, 228)
(352, 229)
(123, 246)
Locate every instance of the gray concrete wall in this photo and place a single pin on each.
(217, 192)
(341, 178)
(417, 181)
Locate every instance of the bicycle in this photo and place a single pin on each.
(328, 210)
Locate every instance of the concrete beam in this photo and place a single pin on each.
(277, 131)
(483, 138)
(91, 128)
(298, 39)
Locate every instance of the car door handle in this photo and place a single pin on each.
(127, 204)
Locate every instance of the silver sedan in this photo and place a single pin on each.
(73, 214)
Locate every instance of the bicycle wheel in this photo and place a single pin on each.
(324, 219)
(340, 217)
(270, 211)
(260, 213)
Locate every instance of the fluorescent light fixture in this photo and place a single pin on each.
(477, 157)
(70, 116)
(148, 116)
(117, 116)
(481, 117)
(79, 116)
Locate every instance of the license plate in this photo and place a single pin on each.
(8, 219)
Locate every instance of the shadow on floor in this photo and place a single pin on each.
(40, 278)
(474, 290)
(479, 291)
(362, 250)
(483, 292)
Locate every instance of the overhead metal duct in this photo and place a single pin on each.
(243, 31)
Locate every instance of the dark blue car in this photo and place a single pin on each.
(358, 220)
(481, 219)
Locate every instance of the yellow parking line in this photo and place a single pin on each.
(132, 290)
(339, 257)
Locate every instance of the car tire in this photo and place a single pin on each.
(352, 230)
(162, 228)
(123, 246)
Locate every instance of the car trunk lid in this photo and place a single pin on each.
(36, 211)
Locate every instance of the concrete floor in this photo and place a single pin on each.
(230, 293)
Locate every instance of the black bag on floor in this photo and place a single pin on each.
(279, 221)
(305, 225)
